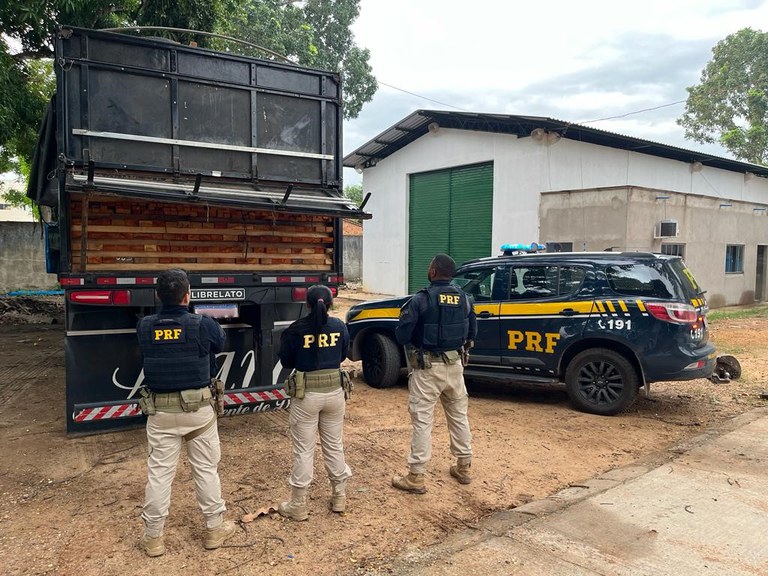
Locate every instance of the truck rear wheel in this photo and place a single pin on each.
(381, 361)
(601, 381)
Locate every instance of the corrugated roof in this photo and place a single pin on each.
(417, 125)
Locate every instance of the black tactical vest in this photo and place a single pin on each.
(174, 358)
(446, 321)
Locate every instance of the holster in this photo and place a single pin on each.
(146, 402)
(346, 384)
(418, 359)
(217, 391)
(295, 384)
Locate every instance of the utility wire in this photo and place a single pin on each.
(420, 96)
(582, 122)
(631, 113)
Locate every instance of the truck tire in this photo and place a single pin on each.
(601, 381)
(381, 361)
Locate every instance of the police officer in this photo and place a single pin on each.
(179, 351)
(436, 326)
(314, 346)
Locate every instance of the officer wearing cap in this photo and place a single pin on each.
(315, 346)
(179, 351)
(436, 326)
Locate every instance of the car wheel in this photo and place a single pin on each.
(381, 361)
(601, 381)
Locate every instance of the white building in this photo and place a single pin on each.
(465, 184)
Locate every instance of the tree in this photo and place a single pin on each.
(313, 33)
(354, 192)
(730, 105)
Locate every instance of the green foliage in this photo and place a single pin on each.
(18, 199)
(757, 311)
(313, 33)
(730, 105)
(354, 192)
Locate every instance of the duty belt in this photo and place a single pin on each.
(449, 357)
(171, 401)
(322, 380)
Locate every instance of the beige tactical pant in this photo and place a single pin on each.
(444, 382)
(165, 432)
(323, 411)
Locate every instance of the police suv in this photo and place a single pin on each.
(603, 323)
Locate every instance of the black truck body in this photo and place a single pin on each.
(155, 155)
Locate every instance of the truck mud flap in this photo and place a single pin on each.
(124, 414)
(103, 372)
(252, 400)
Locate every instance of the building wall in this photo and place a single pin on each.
(353, 258)
(624, 219)
(22, 258)
(523, 169)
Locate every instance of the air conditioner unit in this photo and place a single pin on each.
(666, 229)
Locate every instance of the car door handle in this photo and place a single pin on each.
(484, 314)
(568, 312)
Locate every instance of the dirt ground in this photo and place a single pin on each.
(71, 505)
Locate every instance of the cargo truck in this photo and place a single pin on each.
(157, 155)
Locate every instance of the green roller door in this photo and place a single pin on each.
(449, 211)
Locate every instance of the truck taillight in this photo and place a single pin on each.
(299, 293)
(104, 297)
(672, 312)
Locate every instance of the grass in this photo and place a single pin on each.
(736, 313)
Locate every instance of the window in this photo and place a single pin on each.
(559, 246)
(673, 249)
(482, 284)
(646, 280)
(571, 278)
(734, 258)
(533, 282)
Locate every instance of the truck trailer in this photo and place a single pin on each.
(157, 155)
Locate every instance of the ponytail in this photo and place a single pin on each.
(319, 299)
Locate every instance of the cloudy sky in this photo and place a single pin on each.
(573, 60)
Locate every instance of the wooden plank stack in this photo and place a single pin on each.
(114, 234)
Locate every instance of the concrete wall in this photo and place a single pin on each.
(624, 219)
(523, 169)
(22, 258)
(353, 258)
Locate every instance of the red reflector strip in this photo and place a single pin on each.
(336, 279)
(117, 281)
(145, 280)
(107, 412)
(226, 280)
(72, 281)
(239, 398)
(290, 279)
